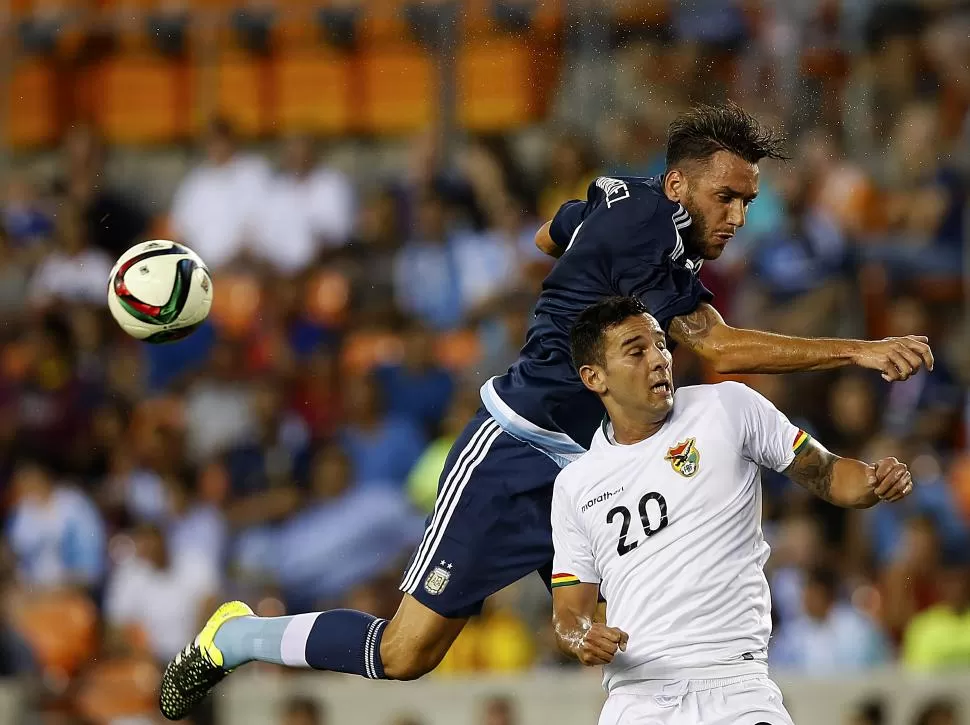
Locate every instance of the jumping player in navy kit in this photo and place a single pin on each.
(491, 523)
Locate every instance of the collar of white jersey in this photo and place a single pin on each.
(609, 439)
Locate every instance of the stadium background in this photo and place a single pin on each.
(364, 178)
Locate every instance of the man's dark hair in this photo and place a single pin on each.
(704, 130)
(586, 337)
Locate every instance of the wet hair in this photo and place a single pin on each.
(586, 336)
(704, 130)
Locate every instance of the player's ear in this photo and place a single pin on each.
(674, 185)
(593, 378)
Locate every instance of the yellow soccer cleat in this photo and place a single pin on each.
(197, 669)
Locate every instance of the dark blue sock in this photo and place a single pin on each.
(343, 640)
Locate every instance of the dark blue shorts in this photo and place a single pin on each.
(491, 521)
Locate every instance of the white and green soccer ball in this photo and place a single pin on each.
(159, 291)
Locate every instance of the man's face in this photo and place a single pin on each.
(716, 193)
(637, 374)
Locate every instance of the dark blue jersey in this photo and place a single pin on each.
(623, 240)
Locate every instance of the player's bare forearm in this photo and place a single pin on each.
(577, 633)
(736, 350)
(545, 244)
(846, 482)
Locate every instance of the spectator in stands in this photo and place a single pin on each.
(308, 209)
(939, 712)
(933, 499)
(213, 209)
(427, 279)
(870, 712)
(346, 534)
(304, 711)
(14, 280)
(446, 271)
(830, 636)
(418, 388)
(800, 266)
(927, 405)
(195, 524)
(27, 224)
(498, 640)
(371, 257)
(422, 485)
(219, 404)
(316, 393)
(499, 710)
(55, 531)
(925, 203)
(274, 451)
(572, 166)
(382, 447)
(112, 221)
(910, 582)
(796, 548)
(939, 637)
(75, 272)
(161, 596)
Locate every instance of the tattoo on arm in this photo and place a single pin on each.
(693, 329)
(813, 469)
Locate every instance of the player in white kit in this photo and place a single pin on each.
(663, 515)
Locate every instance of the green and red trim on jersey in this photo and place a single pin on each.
(801, 440)
(564, 580)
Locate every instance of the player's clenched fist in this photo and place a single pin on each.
(897, 358)
(600, 643)
(890, 480)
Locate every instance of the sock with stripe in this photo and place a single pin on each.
(340, 640)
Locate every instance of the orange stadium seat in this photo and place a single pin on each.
(548, 16)
(312, 92)
(60, 627)
(400, 89)
(117, 689)
(32, 104)
(238, 87)
(477, 19)
(496, 84)
(141, 99)
(383, 20)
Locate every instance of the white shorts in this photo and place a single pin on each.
(745, 700)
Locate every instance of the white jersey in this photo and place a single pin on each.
(670, 528)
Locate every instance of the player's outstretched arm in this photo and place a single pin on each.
(577, 634)
(847, 482)
(735, 350)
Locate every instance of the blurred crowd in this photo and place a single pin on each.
(288, 452)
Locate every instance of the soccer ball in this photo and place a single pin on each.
(159, 291)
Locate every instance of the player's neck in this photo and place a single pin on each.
(628, 430)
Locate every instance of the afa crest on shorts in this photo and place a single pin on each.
(437, 579)
(684, 458)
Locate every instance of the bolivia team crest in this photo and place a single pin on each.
(684, 458)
